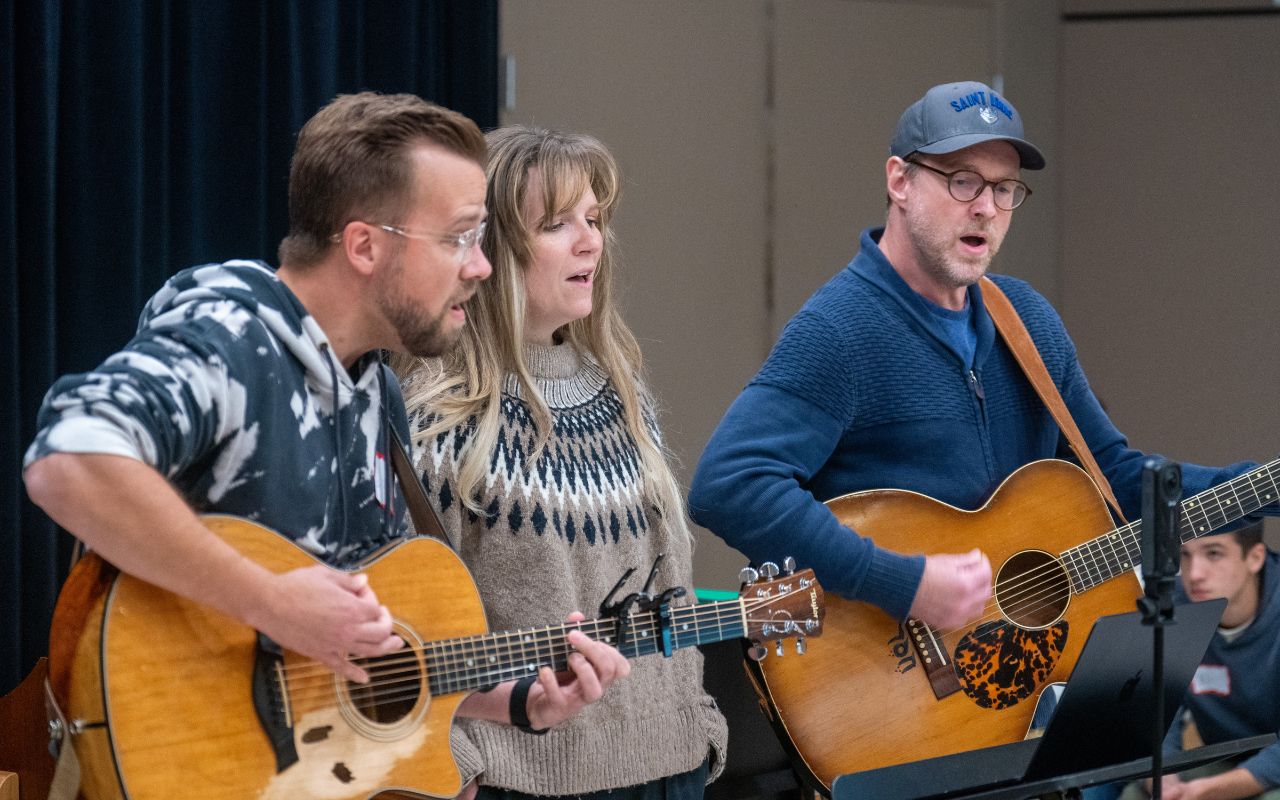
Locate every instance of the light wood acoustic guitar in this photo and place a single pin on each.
(874, 691)
(173, 699)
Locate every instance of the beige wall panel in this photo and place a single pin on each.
(845, 71)
(1029, 62)
(677, 91)
(1158, 6)
(1171, 197)
(844, 74)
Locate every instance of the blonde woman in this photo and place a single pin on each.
(538, 444)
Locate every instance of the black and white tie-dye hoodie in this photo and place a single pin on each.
(229, 389)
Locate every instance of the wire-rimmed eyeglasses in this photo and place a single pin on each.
(461, 242)
(965, 185)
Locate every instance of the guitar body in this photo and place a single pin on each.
(860, 699)
(171, 683)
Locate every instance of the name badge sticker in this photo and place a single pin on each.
(1212, 679)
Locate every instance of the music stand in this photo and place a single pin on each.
(1099, 732)
(1071, 783)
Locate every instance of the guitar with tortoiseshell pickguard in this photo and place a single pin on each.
(894, 692)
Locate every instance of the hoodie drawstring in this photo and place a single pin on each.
(388, 480)
(337, 442)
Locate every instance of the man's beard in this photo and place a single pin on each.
(933, 249)
(420, 333)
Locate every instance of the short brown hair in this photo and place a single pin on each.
(352, 161)
(1248, 536)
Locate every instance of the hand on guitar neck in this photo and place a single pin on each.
(953, 590)
(557, 696)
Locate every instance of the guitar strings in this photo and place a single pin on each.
(503, 640)
(1031, 595)
(398, 676)
(376, 691)
(1027, 593)
(1091, 564)
(1040, 586)
(1088, 567)
(698, 614)
(317, 679)
(415, 682)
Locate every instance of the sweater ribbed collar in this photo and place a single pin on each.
(564, 377)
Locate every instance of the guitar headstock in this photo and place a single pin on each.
(779, 606)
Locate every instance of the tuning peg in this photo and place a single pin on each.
(769, 570)
(756, 653)
(778, 648)
(748, 576)
(801, 647)
(788, 566)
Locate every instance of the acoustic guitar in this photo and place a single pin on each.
(874, 691)
(173, 699)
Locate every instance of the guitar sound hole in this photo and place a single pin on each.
(1033, 589)
(392, 691)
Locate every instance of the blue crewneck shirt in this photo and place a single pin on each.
(957, 330)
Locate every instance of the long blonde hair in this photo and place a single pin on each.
(464, 388)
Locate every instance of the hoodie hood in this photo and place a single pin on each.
(236, 294)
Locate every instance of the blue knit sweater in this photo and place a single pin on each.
(1236, 692)
(863, 391)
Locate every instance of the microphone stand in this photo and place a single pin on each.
(1161, 552)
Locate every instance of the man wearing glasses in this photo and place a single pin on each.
(260, 393)
(892, 376)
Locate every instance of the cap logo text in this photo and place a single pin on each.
(987, 106)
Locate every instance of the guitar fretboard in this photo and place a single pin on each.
(1101, 559)
(479, 662)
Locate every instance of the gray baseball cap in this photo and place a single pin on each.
(953, 116)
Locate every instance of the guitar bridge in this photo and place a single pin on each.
(933, 655)
(269, 702)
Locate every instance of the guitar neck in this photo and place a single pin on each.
(480, 662)
(1119, 551)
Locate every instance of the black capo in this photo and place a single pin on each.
(644, 601)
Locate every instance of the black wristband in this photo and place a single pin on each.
(518, 707)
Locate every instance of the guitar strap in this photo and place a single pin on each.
(1024, 350)
(65, 784)
(424, 516)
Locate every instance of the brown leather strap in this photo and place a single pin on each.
(1024, 350)
(415, 497)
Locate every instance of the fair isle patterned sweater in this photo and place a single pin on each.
(554, 538)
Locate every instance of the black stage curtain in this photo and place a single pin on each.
(141, 137)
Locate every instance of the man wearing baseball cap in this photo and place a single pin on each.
(892, 376)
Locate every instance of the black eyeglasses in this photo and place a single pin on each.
(965, 185)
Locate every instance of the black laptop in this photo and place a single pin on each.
(1103, 717)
